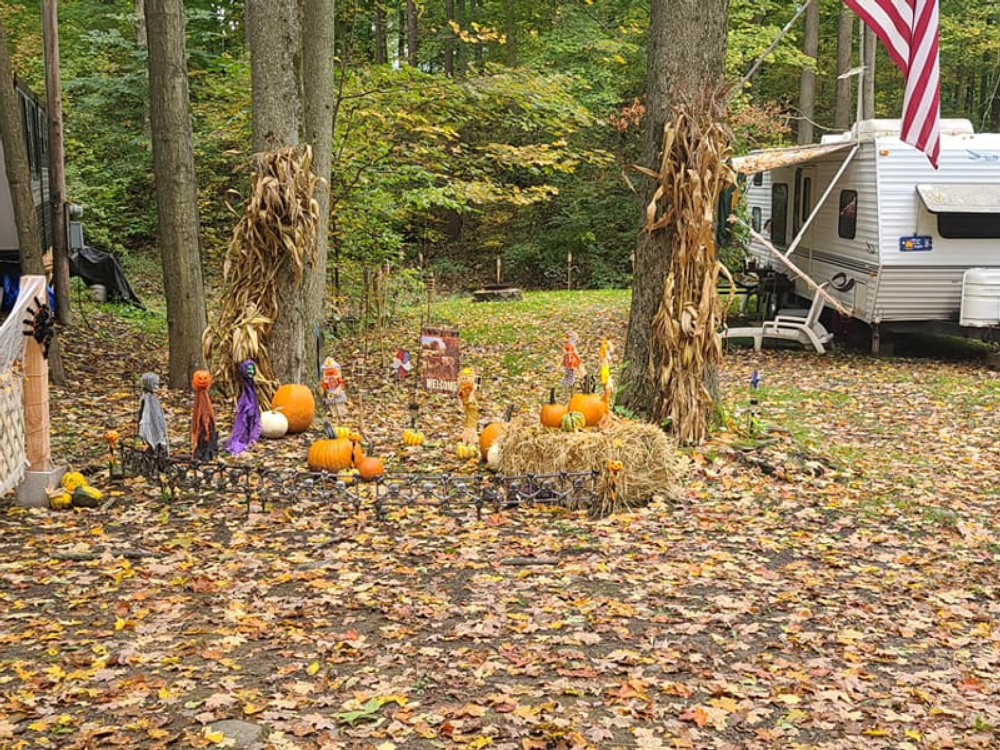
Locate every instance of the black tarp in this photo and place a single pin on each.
(98, 267)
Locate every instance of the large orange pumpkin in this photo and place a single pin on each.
(552, 413)
(370, 467)
(590, 405)
(297, 404)
(331, 455)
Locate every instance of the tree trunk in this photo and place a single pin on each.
(868, 102)
(381, 43)
(141, 37)
(510, 24)
(462, 62)
(401, 31)
(807, 91)
(845, 42)
(15, 153)
(411, 33)
(57, 173)
(176, 188)
(318, 56)
(449, 38)
(687, 49)
(476, 8)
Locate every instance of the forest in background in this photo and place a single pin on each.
(465, 130)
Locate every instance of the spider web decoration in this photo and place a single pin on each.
(13, 457)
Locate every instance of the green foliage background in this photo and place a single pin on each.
(518, 156)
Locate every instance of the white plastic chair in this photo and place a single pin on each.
(807, 330)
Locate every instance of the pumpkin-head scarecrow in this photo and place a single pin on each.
(246, 422)
(470, 405)
(204, 435)
(570, 361)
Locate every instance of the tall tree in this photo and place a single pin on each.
(686, 52)
(510, 29)
(868, 87)
(449, 38)
(381, 40)
(845, 42)
(292, 89)
(176, 187)
(807, 86)
(411, 32)
(15, 154)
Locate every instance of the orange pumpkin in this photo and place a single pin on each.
(489, 436)
(331, 455)
(552, 413)
(201, 379)
(370, 467)
(590, 405)
(296, 402)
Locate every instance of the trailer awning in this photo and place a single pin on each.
(961, 199)
(772, 158)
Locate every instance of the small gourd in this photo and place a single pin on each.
(572, 421)
(347, 476)
(413, 437)
(342, 432)
(552, 413)
(273, 424)
(73, 479)
(61, 501)
(466, 451)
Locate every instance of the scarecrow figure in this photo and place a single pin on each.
(470, 406)
(570, 362)
(204, 435)
(606, 380)
(246, 423)
(332, 385)
(152, 422)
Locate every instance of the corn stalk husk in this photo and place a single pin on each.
(276, 235)
(684, 341)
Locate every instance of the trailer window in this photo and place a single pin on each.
(967, 226)
(755, 218)
(779, 213)
(807, 187)
(847, 218)
(758, 179)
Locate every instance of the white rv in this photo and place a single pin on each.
(893, 236)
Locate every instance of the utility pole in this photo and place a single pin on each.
(57, 173)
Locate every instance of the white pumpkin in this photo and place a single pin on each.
(493, 457)
(273, 424)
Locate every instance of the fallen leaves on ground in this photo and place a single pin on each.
(832, 588)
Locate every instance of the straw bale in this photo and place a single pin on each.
(651, 461)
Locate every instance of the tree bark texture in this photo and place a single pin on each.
(461, 54)
(274, 34)
(176, 188)
(807, 86)
(868, 103)
(381, 42)
(449, 38)
(318, 56)
(15, 153)
(57, 173)
(510, 26)
(845, 42)
(141, 37)
(411, 33)
(687, 48)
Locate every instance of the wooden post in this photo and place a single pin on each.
(57, 173)
(36, 390)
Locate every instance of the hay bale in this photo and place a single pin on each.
(651, 462)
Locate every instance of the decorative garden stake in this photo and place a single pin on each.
(470, 406)
(570, 361)
(111, 438)
(606, 380)
(204, 435)
(246, 422)
(332, 385)
(152, 423)
(753, 413)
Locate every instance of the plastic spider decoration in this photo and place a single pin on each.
(41, 325)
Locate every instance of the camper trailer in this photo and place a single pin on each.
(901, 245)
(36, 135)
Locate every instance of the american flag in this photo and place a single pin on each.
(909, 31)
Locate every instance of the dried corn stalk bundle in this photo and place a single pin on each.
(275, 236)
(684, 341)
